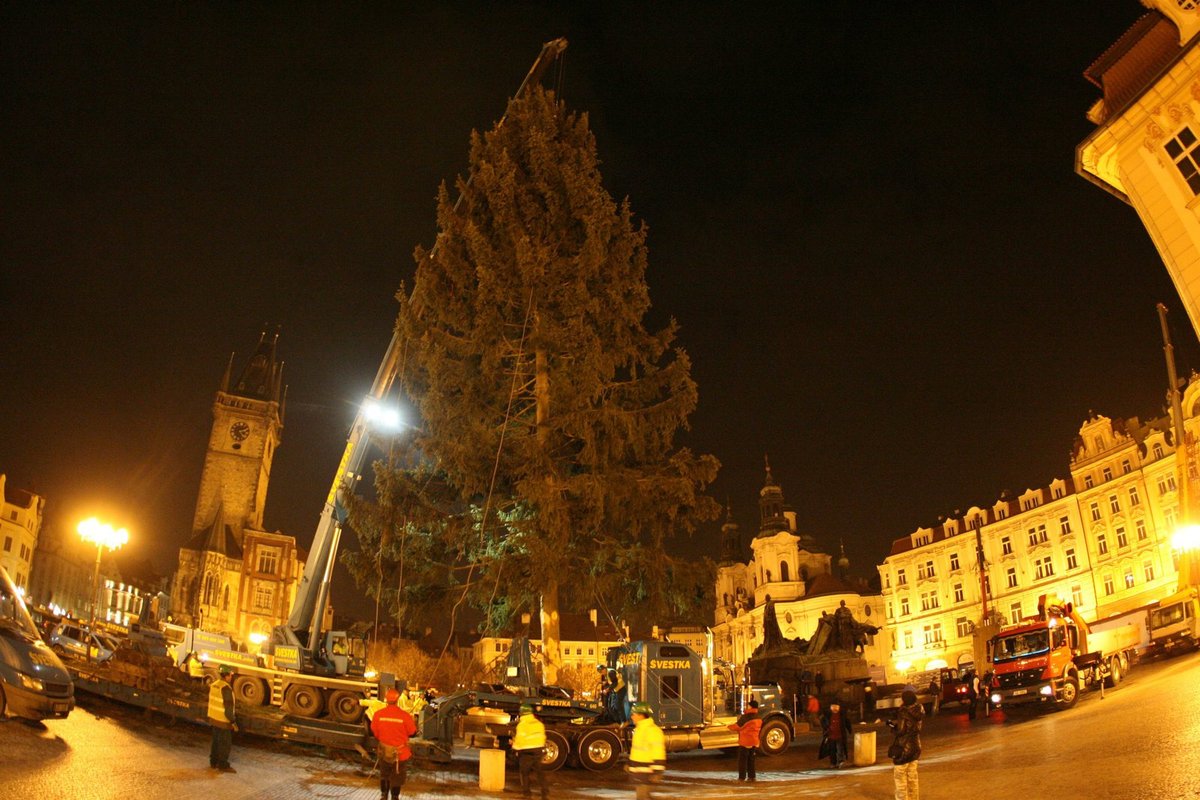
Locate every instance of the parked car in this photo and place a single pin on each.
(33, 682)
(70, 638)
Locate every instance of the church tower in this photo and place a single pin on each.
(247, 424)
(770, 506)
(731, 538)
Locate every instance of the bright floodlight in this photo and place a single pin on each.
(1186, 538)
(381, 416)
(102, 534)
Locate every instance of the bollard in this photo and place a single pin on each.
(864, 745)
(491, 770)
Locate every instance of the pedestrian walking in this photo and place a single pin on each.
(748, 726)
(392, 727)
(647, 751)
(529, 743)
(989, 686)
(906, 747)
(221, 719)
(812, 712)
(836, 730)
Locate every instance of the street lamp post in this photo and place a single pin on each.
(102, 535)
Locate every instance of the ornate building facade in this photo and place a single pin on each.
(1100, 538)
(20, 524)
(789, 568)
(1146, 146)
(235, 577)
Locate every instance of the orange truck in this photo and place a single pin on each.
(1051, 659)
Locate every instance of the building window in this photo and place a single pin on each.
(1166, 484)
(1003, 513)
(929, 601)
(1158, 450)
(908, 640)
(268, 560)
(1129, 577)
(1064, 525)
(8, 544)
(1122, 538)
(925, 570)
(1134, 498)
(264, 597)
(1107, 472)
(225, 600)
(963, 627)
(1148, 570)
(1077, 596)
(1072, 561)
(904, 606)
(933, 633)
(1006, 546)
(953, 561)
(1101, 544)
(901, 580)
(1037, 535)
(1169, 517)
(1125, 467)
(1095, 508)
(1014, 613)
(1058, 492)
(1012, 577)
(958, 592)
(1182, 150)
(1140, 527)
(783, 571)
(1114, 504)
(1088, 482)
(889, 609)
(1045, 567)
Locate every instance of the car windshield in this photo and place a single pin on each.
(1020, 645)
(14, 617)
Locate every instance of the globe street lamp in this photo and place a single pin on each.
(102, 535)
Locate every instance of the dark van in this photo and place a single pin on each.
(33, 682)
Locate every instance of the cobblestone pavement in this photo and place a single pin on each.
(1137, 742)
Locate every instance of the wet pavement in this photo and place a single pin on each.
(1141, 740)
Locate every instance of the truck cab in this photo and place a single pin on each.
(1175, 624)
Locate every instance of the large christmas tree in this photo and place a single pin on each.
(543, 398)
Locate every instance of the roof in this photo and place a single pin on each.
(1126, 69)
(825, 583)
(216, 538)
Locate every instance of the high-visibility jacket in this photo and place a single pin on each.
(392, 726)
(648, 750)
(220, 704)
(371, 704)
(530, 734)
(748, 725)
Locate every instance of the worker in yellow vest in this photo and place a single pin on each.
(529, 742)
(221, 720)
(647, 751)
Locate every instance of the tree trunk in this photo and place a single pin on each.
(551, 649)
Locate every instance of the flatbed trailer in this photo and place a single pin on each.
(189, 703)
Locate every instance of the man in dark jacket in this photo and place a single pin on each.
(906, 747)
(837, 729)
(748, 726)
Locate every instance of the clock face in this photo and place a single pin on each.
(239, 431)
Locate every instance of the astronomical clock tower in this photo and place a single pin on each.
(235, 577)
(247, 423)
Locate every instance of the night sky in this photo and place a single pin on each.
(864, 216)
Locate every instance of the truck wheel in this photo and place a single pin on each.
(598, 750)
(249, 690)
(1070, 691)
(344, 706)
(555, 753)
(303, 701)
(774, 737)
(1114, 673)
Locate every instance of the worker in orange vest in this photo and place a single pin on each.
(747, 726)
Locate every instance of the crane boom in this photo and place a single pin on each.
(304, 625)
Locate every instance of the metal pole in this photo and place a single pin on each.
(95, 592)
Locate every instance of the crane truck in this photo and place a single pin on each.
(1050, 659)
(693, 703)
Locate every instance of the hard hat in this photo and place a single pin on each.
(642, 708)
(392, 696)
(526, 708)
(225, 669)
